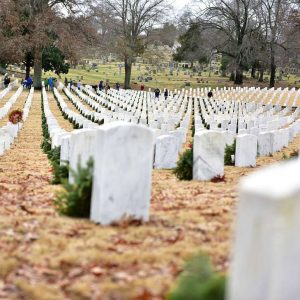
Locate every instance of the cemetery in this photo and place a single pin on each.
(149, 150)
(141, 223)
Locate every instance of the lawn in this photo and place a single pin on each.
(162, 78)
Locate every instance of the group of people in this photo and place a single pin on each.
(157, 93)
(49, 83)
(166, 93)
(106, 86)
(27, 82)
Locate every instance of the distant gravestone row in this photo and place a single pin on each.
(138, 135)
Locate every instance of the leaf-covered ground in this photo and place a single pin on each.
(46, 256)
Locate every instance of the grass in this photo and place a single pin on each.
(162, 79)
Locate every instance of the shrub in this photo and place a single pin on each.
(198, 281)
(293, 155)
(229, 151)
(184, 168)
(75, 199)
(285, 156)
(193, 127)
(59, 172)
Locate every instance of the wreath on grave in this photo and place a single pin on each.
(16, 116)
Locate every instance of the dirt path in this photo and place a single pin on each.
(44, 256)
(63, 123)
(24, 169)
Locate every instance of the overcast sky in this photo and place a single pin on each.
(178, 4)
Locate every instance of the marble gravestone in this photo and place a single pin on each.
(82, 148)
(122, 172)
(246, 150)
(166, 152)
(266, 253)
(208, 155)
(264, 144)
(65, 149)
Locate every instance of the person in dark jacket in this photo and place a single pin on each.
(100, 86)
(29, 82)
(6, 81)
(157, 92)
(118, 86)
(166, 94)
(210, 94)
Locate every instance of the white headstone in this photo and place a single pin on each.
(82, 148)
(265, 144)
(266, 254)
(122, 172)
(246, 150)
(166, 152)
(208, 151)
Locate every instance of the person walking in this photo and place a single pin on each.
(107, 87)
(29, 82)
(50, 83)
(157, 93)
(210, 94)
(66, 82)
(6, 80)
(100, 86)
(166, 94)
(118, 86)
(79, 84)
(46, 83)
(142, 87)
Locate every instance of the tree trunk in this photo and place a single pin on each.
(238, 75)
(37, 77)
(27, 66)
(272, 69)
(253, 71)
(261, 75)
(128, 68)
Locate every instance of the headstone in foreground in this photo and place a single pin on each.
(122, 173)
(266, 254)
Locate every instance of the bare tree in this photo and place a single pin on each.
(234, 21)
(274, 15)
(133, 21)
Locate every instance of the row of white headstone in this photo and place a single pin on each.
(262, 96)
(11, 101)
(267, 142)
(8, 89)
(141, 108)
(209, 149)
(10, 131)
(168, 143)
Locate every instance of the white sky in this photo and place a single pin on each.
(178, 4)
